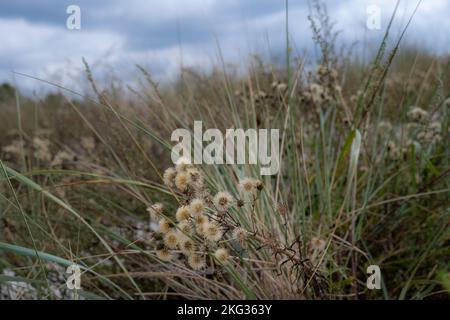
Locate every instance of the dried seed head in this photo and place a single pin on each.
(169, 177)
(171, 239)
(155, 210)
(187, 246)
(417, 114)
(435, 127)
(183, 164)
(195, 176)
(200, 222)
(196, 261)
(164, 226)
(182, 213)
(212, 231)
(223, 200)
(164, 254)
(385, 127)
(317, 244)
(182, 181)
(247, 185)
(197, 207)
(222, 255)
(185, 226)
(240, 234)
(201, 219)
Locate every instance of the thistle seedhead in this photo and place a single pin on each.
(197, 207)
(182, 213)
(196, 261)
(223, 200)
(169, 177)
(222, 255)
(171, 239)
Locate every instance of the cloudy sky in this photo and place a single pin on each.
(162, 34)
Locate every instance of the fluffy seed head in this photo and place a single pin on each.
(183, 164)
(247, 185)
(317, 243)
(197, 207)
(435, 127)
(185, 226)
(164, 254)
(182, 181)
(212, 231)
(182, 213)
(196, 261)
(417, 114)
(164, 226)
(240, 234)
(385, 127)
(200, 222)
(187, 246)
(169, 176)
(171, 239)
(222, 255)
(223, 200)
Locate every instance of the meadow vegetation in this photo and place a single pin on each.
(363, 180)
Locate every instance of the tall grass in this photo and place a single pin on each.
(363, 181)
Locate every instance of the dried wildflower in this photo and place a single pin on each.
(201, 219)
(169, 177)
(259, 185)
(385, 127)
(425, 136)
(435, 127)
(164, 254)
(197, 207)
(393, 151)
(279, 86)
(317, 244)
(196, 261)
(223, 200)
(247, 186)
(200, 223)
(182, 213)
(61, 157)
(222, 255)
(187, 246)
(185, 226)
(212, 231)
(42, 149)
(155, 210)
(240, 234)
(195, 178)
(182, 181)
(164, 225)
(417, 114)
(15, 147)
(183, 164)
(171, 239)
